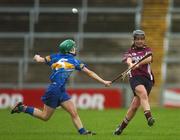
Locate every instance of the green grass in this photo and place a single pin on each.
(59, 127)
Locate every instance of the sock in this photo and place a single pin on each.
(124, 123)
(21, 108)
(81, 130)
(147, 114)
(29, 110)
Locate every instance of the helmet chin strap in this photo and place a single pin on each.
(74, 54)
(139, 48)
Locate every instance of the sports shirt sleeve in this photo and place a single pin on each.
(148, 51)
(79, 65)
(50, 59)
(126, 55)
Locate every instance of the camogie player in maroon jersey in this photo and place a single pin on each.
(140, 78)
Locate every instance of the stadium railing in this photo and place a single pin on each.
(172, 60)
(33, 12)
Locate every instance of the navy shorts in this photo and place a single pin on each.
(141, 80)
(54, 96)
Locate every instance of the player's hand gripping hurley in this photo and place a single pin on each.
(123, 74)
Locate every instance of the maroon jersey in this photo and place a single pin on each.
(136, 54)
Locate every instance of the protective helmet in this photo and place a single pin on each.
(66, 46)
(138, 32)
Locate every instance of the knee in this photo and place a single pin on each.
(144, 96)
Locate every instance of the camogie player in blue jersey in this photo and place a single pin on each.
(62, 65)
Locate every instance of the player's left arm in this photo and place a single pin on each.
(146, 61)
(95, 76)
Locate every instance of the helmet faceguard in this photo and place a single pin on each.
(66, 46)
(139, 39)
(138, 33)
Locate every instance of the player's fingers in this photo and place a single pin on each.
(36, 57)
(107, 85)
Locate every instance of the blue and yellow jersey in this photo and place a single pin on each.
(62, 66)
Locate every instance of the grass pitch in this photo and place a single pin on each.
(59, 127)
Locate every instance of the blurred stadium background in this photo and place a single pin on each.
(103, 31)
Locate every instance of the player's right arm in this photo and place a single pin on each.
(127, 58)
(38, 58)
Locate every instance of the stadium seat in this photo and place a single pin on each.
(14, 22)
(110, 22)
(57, 22)
(8, 73)
(12, 47)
